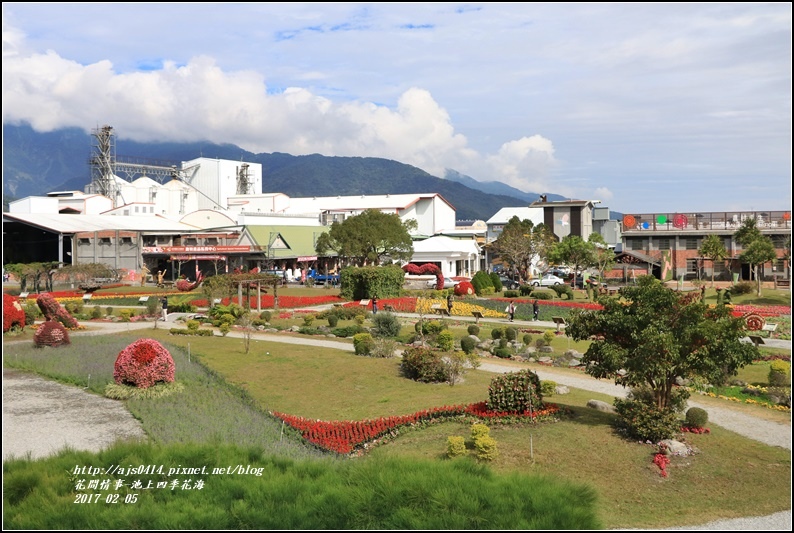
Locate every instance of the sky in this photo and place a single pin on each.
(646, 107)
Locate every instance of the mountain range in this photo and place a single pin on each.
(37, 163)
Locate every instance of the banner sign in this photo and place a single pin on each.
(195, 249)
(198, 258)
(307, 258)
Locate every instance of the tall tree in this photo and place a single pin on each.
(655, 335)
(368, 238)
(521, 243)
(574, 251)
(603, 256)
(714, 249)
(757, 248)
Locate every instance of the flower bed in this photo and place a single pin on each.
(344, 437)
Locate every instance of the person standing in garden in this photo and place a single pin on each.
(374, 305)
(450, 302)
(164, 304)
(511, 311)
(535, 310)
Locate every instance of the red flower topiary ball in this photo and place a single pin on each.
(51, 333)
(464, 288)
(144, 363)
(13, 314)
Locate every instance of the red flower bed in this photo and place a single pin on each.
(763, 310)
(283, 301)
(697, 431)
(344, 436)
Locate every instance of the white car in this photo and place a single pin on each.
(449, 283)
(548, 280)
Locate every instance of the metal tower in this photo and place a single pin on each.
(103, 162)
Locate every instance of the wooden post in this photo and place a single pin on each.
(259, 297)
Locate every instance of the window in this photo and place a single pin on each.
(190, 241)
(726, 242)
(779, 266)
(136, 208)
(692, 266)
(83, 241)
(126, 240)
(212, 241)
(691, 243)
(104, 240)
(151, 209)
(162, 239)
(636, 244)
(719, 268)
(664, 244)
(780, 240)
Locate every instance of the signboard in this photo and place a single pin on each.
(87, 296)
(307, 258)
(195, 249)
(198, 258)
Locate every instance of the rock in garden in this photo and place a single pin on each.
(561, 389)
(598, 405)
(676, 447)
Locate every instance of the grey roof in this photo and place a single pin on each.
(66, 224)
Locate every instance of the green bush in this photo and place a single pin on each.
(347, 331)
(224, 328)
(548, 337)
(265, 315)
(333, 320)
(479, 430)
(386, 325)
(563, 289)
(485, 448)
(456, 446)
(109, 310)
(359, 318)
(473, 329)
(32, 312)
(445, 341)
(526, 339)
(646, 422)
(433, 327)
(308, 330)
(515, 392)
(503, 353)
(482, 281)
(496, 333)
(197, 332)
(126, 314)
(511, 294)
(779, 373)
(696, 417)
(511, 334)
(96, 312)
(308, 320)
(424, 365)
(542, 294)
(743, 287)
(525, 290)
(548, 387)
(468, 345)
(496, 282)
(181, 307)
(363, 343)
(193, 325)
(343, 313)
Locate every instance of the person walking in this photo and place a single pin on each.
(374, 305)
(450, 302)
(164, 303)
(511, 311)
(535, 310)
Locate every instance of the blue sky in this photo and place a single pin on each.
(648, 107)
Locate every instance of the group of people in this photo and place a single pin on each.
(511, 310)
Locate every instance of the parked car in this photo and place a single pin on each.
(548, 280)
(449, 283)
(508, 283)
(560, 272)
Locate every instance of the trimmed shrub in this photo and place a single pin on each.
(360, 319)
(347, 331)
(52, 310)
(526, 339)
(511, 294)
(525, 290)
(433, 327)
(646, 422)
(779, 373)
(548, 387)
(96, 312)
(481, 282)
(473, 329)
(468, 345)
(333, 320)
(542, 294)
(424, 365)
(515, 392)
(363, 343)
(496, 282)
(32, 312)
(503, 353)
(144, 363)
(386, 325)
(456, 446)
(126, 314)
(13, 314)
(496, 333)
(265, 315)
(464, 288)
(696, 417)
(51, 333)
(479, 430)
(445, 340)
(511, 334)
(308, 320)
(485, 448)
(743, 287)
(563, 290)
(225, 328)
(548, 336)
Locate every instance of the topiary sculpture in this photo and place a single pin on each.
(13, 314)
(464, 288)
(51, 333)
(52, 310)
(144, 363)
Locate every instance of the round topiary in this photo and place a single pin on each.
(51, 333)
(144, 363)
(464, 288)
(473, 329)
(13, 314)
(696, 417)
(467, 344)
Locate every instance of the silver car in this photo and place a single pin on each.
(548, 280)
(449, 283)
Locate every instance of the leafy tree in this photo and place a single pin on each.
(368, 238)
(657, 335)
(603, 256)
(714, 249)
(757, 248)
(219, 286)
(573, 250)
(521, 243)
